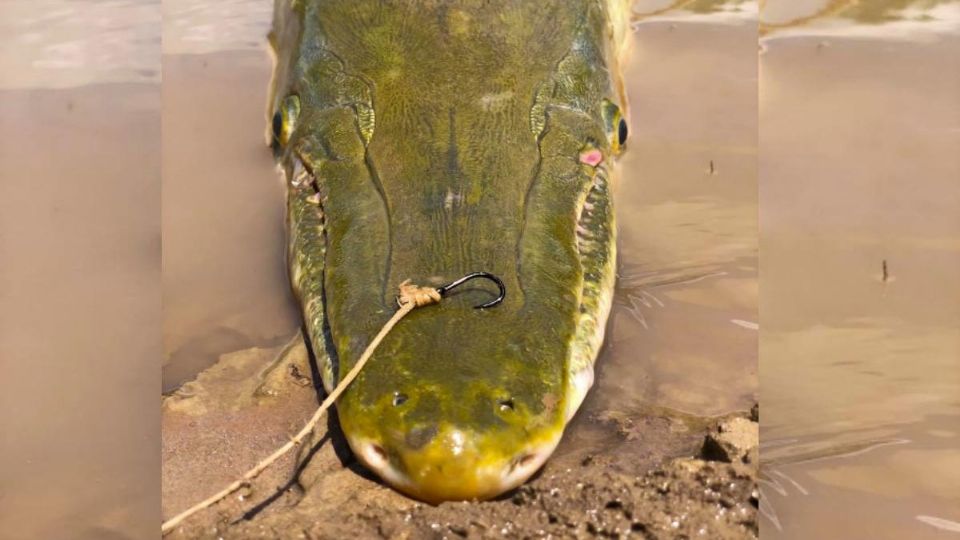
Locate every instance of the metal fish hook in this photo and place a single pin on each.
(444, 289)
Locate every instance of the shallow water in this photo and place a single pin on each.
(224, 273)
(682, 342)
(79, 269)
(63, 43)
(884, 17)
(860, 251)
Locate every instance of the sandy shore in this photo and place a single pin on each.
(661, 478)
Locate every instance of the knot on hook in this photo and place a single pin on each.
(417, 295)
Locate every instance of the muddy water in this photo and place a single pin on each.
(224, 278)
(683, 337)
(79, 269)
(860, 251)
(682, 341)
(890, 18)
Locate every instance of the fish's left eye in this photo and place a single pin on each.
(276, 127)
(284, 120)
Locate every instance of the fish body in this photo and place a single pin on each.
(425, 140)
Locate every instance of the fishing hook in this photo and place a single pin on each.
(444, 289)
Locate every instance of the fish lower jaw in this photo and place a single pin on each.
(461, 478)
(579, 384)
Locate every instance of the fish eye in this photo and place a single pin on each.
(285, 119)
(615, 124)
(277, 126)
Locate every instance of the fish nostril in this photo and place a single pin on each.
(506, 405)
(399, 398)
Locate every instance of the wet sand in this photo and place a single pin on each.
(860, 250)
(682, 343)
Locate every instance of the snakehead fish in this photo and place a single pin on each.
(425, 140)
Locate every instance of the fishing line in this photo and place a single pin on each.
(409, 298)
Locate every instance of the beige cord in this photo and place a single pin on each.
(411, 296)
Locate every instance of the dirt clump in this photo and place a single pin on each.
(734, 440)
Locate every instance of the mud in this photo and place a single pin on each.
(661, 478)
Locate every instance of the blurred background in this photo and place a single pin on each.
(225, 285)
(859, 257)
(80, 299)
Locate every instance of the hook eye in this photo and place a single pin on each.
(444, 289)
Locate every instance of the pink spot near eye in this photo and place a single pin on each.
(591, 157)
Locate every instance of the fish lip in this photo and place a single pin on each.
(375, 459)
(525, 465)
(503, 476)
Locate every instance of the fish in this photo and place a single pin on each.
(425, 140)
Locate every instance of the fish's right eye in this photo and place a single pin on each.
(622, 132)
(616, 125)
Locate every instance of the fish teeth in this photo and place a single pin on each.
(586, 235)
(299, 175)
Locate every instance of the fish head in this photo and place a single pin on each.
(462, 147)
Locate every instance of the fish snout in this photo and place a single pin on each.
(446, 463)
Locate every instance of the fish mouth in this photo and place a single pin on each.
(454, 466)
(451, 464)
